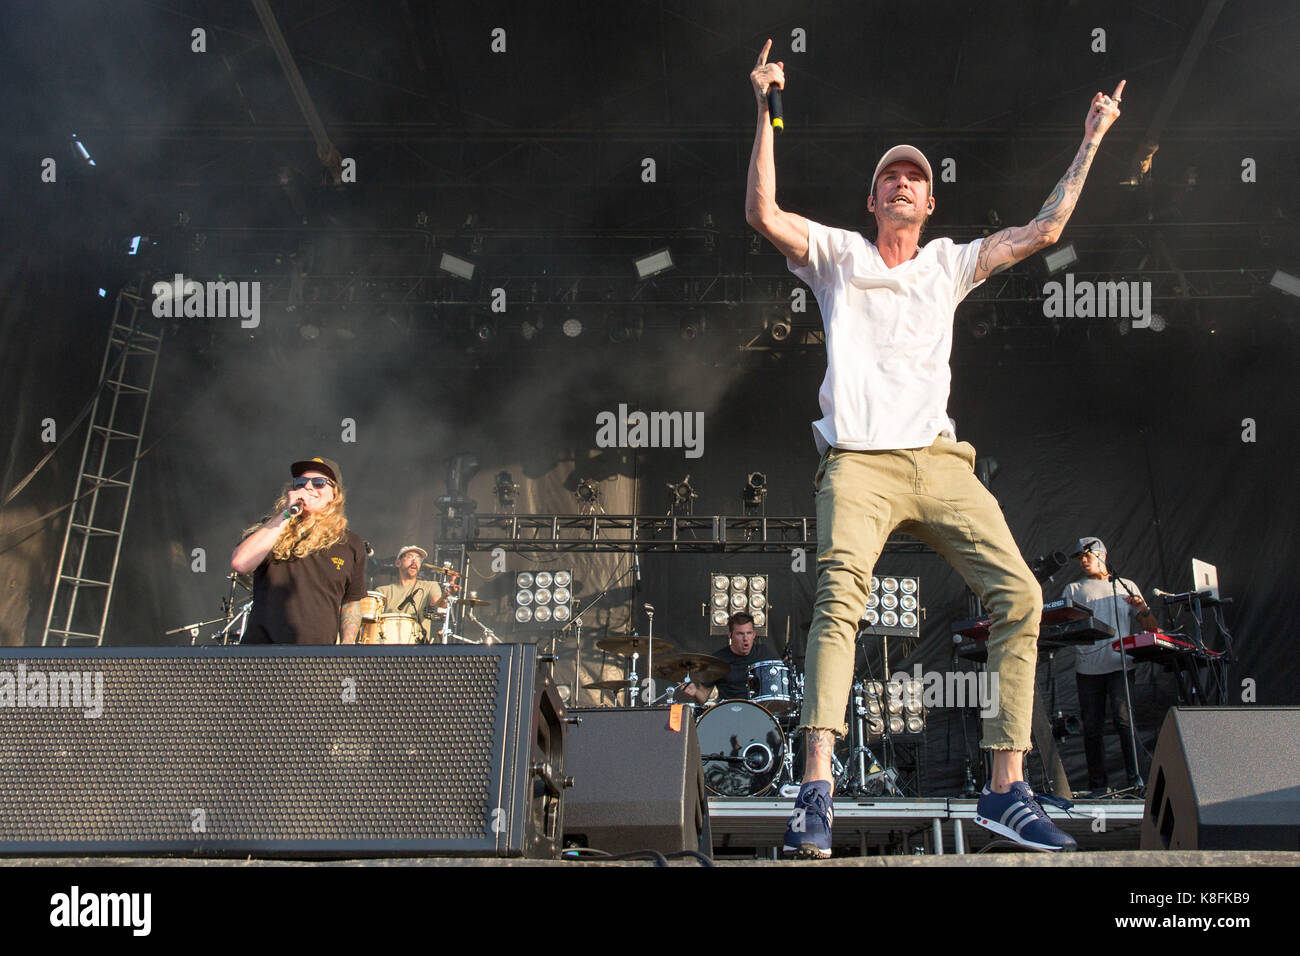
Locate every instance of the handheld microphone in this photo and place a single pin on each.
(774, 108)
(293, 510)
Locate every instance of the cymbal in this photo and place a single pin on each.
(472, 602)
(702, 668)
(634, 644)
(614, 685)
(441, 570)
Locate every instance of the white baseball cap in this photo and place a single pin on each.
(910, 153)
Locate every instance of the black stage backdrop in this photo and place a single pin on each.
(1140, 440)
(1148, 456)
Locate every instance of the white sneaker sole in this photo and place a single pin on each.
(1012, 835)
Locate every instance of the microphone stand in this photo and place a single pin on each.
(1116, 582)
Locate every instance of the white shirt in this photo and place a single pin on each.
(888, 338)
(1099, 658)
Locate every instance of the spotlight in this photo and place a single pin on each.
(690, 327)
(1059, 259)
(505, 490)
(754, 495)
(572, 327)
(780, 330)
(484, 330)
(454, 265)
(738, 592)
(653, 264)
(588, 495)
(683, 497)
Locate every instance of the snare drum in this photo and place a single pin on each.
(372, 605)
(392, 629)
(742, 748)
(771, 684)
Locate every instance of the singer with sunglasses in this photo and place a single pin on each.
(309, 569)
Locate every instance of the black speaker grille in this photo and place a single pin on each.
(349, 748)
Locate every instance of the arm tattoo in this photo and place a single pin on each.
(1004, 249)
(350, 618)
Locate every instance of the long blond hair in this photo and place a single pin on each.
(308, 533)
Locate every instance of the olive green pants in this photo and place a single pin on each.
(932, 494)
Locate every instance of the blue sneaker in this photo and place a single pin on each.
(1018, 815)
(808, 831)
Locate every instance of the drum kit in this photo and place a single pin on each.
(744, 742)
(747, 743)
(380, 626)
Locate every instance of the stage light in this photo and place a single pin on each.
(780, 330)
(753, 496)
(905, 705)
(683, 497)
(1158, 323)
(588, 495)
(892, 608)
(690, 327)
(572, 327)
(456, 266)
(1060, 259)
(729, 593)
(505, 489)
(653, 264)
(1286, 282)
(484, 330)
(537, 604)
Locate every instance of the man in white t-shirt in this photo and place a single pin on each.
(890, 458)
(1097, 666)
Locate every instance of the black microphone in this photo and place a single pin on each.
(294, 509)
(774, 108)
(410, 598)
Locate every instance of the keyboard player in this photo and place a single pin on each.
(1098, 666)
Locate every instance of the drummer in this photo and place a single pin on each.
(411, 595)
(740, 652)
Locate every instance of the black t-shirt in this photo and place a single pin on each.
(297, 601)
(736, 683)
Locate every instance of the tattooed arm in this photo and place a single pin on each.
(350, 622)
(1004, 249)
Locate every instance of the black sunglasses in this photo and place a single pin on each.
(316, 483)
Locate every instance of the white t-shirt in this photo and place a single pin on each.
(888, 338)
(1099, 658)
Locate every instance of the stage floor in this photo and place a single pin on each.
(911, 825)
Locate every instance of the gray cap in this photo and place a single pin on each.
(1088, 544)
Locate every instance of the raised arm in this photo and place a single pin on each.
(1004, 249)
(785, 230)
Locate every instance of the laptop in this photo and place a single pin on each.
(1205, 577)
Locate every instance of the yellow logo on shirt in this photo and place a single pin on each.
(338, 563)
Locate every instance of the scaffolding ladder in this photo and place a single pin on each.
(92, 543)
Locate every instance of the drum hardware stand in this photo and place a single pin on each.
(632, 676)
(649, 653)
(860, 753)
(490, 637)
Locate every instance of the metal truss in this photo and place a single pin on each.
(645, 534)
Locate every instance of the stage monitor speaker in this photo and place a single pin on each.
(637, 781)
(332, 751)
(1225, 778)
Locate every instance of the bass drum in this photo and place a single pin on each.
(742, 748)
